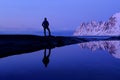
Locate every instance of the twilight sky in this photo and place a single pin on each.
(62, 14)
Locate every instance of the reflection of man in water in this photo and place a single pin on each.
(45, 25)
(46, 57)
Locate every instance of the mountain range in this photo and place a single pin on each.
(111, 27)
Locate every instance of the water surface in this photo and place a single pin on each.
(98, 60)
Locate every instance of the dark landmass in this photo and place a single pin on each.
(114, 38)
(19, 44)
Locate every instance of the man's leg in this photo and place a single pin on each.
(44, 32)
(49, 31)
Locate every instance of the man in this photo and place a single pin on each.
(45, 25)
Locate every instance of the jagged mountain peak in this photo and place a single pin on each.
(101, 28)
(117, 17)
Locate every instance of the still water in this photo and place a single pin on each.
(98, 60)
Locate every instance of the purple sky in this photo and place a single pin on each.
(23, 15)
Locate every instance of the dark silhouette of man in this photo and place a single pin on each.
(46, 57)
(45, 25)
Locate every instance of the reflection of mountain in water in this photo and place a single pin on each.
(113, 47)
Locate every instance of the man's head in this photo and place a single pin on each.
(45, 19)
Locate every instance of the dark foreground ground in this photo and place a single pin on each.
(18, 44)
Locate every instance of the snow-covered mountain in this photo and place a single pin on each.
(113, 47)
(101, 28)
